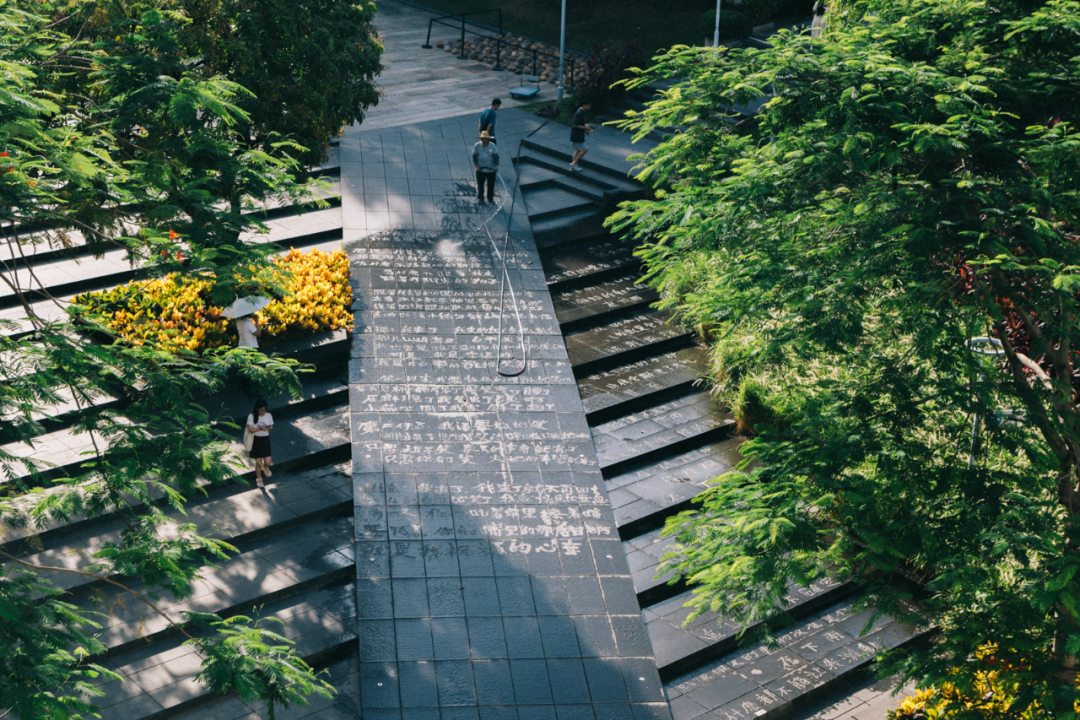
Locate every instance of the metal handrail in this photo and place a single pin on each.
(499, 42)
(461, 16)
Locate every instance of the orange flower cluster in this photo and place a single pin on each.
(175, 311)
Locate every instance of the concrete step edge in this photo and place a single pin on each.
(624, 357)
(679, 447)
(730, 644)
(641, 402)
(342, 509)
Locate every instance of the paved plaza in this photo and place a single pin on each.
(419, 85)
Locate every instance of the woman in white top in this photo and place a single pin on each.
(247, 331)
(259, 424)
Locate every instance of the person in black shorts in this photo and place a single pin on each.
(259, 424)
(578, 133)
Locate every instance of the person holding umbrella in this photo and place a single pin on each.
(244, 309)
(248, 330)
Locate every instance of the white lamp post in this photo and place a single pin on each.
(562, 46)
(716, 33)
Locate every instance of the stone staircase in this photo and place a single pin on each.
(660, 438)
(295, 537)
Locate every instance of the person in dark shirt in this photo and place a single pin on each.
(577, 136)
(487, 118)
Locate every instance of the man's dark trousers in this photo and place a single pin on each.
(485, 177)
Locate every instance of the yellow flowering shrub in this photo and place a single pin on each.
(989, 697)
(175, 312)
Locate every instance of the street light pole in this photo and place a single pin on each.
(562, 46)
(716, 33)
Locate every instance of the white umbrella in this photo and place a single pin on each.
(246, 306)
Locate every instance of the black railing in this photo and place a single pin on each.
(500, 44)
(459, 16)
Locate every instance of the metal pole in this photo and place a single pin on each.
(427, 43)
(562, 47)
(498, 53)
(716, 33)
(462, 55)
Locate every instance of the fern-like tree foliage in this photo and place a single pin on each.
(911, 182)
(121, 140)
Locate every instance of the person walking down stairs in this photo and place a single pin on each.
(259, 423)
(578, 133)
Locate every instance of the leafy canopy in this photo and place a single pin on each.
(123, 141)
(911, 182)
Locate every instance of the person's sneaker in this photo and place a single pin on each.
(573, 167)
(578, 168)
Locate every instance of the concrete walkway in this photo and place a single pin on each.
(419, 84)
(490, 578)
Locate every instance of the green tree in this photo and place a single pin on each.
(310, 65)
(121, 144)
(911, 182)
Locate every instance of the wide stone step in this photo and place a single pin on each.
(67, 276)
(311, 440)
(341, 670)
(623, 342)
(816, 655)
(679, 648)
(601, 165)
(42, 252)
(158, 680)
(278, 562)
(68, 449)
(575, 266)
(615, 185)
(643, 498)
(589, 307)
(655, 385)
(634, 441)
(551, 202)
(534, 177)
(643, 555)
(315, 395)
(567, 229)
(237, 514)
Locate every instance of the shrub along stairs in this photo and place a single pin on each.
(660, 438)
(295, 559)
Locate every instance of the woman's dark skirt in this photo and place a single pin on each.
(260, 446)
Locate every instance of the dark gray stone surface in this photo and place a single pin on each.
(490, 579)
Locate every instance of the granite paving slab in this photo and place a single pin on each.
(618, 293)
(623, 341)
(678, 645)
(643, 386)
(490, 577)
(813, 656)
(588, 259)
